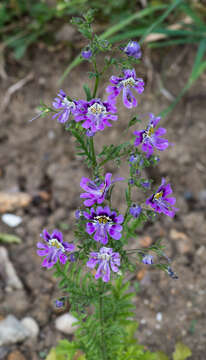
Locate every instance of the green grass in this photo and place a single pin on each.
(24, 22)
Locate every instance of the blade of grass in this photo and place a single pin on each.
(112, 30)
(173, 42)
(198, 67)
(192, 14)
(161, 18)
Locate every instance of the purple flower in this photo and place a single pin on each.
(148, 260)
(160, 201)
(105, 259)
(150, 138)
(135, 210)
(145, 184)
(95, 192)
(64, 106)
(78, 214)
(133, 158)
(95, 114)
(86, 53)
(103, 221)
(72, 258)
(133, 49)
(60, 303)
(54, 248)
(125, 83)
(171, 273)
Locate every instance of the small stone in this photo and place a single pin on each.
(177, 235)
(143, 321)
(17, 302)
(31, 325)
(141, 274)
(184, 244)
(10, 276)
(11, 220)
(158, 326)
(3, 352)
(41, 309)
(159, 316)
(13, 200)
(202, 196)
(201, 251)
(16, 355)
(66, 33)
(145, 241)
(64, 324)
(12, 331)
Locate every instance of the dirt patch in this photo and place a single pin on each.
(39, 156)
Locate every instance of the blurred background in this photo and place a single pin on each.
(38, 165)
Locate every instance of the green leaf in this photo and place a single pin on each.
(182, 352)
(53, 355)
(113, 30)
(160, 19)
(9, 239)
(87, 92)
(161, 356)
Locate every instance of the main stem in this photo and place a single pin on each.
(96, 81)
(101, 316)
(94, 161)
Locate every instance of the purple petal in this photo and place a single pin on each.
(46, 235)
(62, 258)
(43, 252)
(90, 228)
(92, 263)
(57, 235)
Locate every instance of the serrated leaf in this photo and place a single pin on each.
(182, 352)
(9, 239)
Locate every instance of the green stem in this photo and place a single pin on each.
(128, 205)
(92, 152)
(96, 81)
(101, 316)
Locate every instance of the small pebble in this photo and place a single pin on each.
(159, 316)
(11, 279)
(12, 331)
(64, 324)
(11, 219)
(31, 325)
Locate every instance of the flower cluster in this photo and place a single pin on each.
(101, 225)
(64, 107)
(105, 259)
(54, 249)
(95, 114)
(102, 222)
(151, 138)
(96, 191)
(133, 49)
(160, 201)
(125, 84)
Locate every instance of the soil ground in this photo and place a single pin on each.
(39, 158)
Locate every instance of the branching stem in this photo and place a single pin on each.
(101, 316)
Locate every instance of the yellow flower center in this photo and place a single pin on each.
(158, 195)
(102, 219)
(150, 131)
(97, 109)
(55, 243)
(130, 82)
